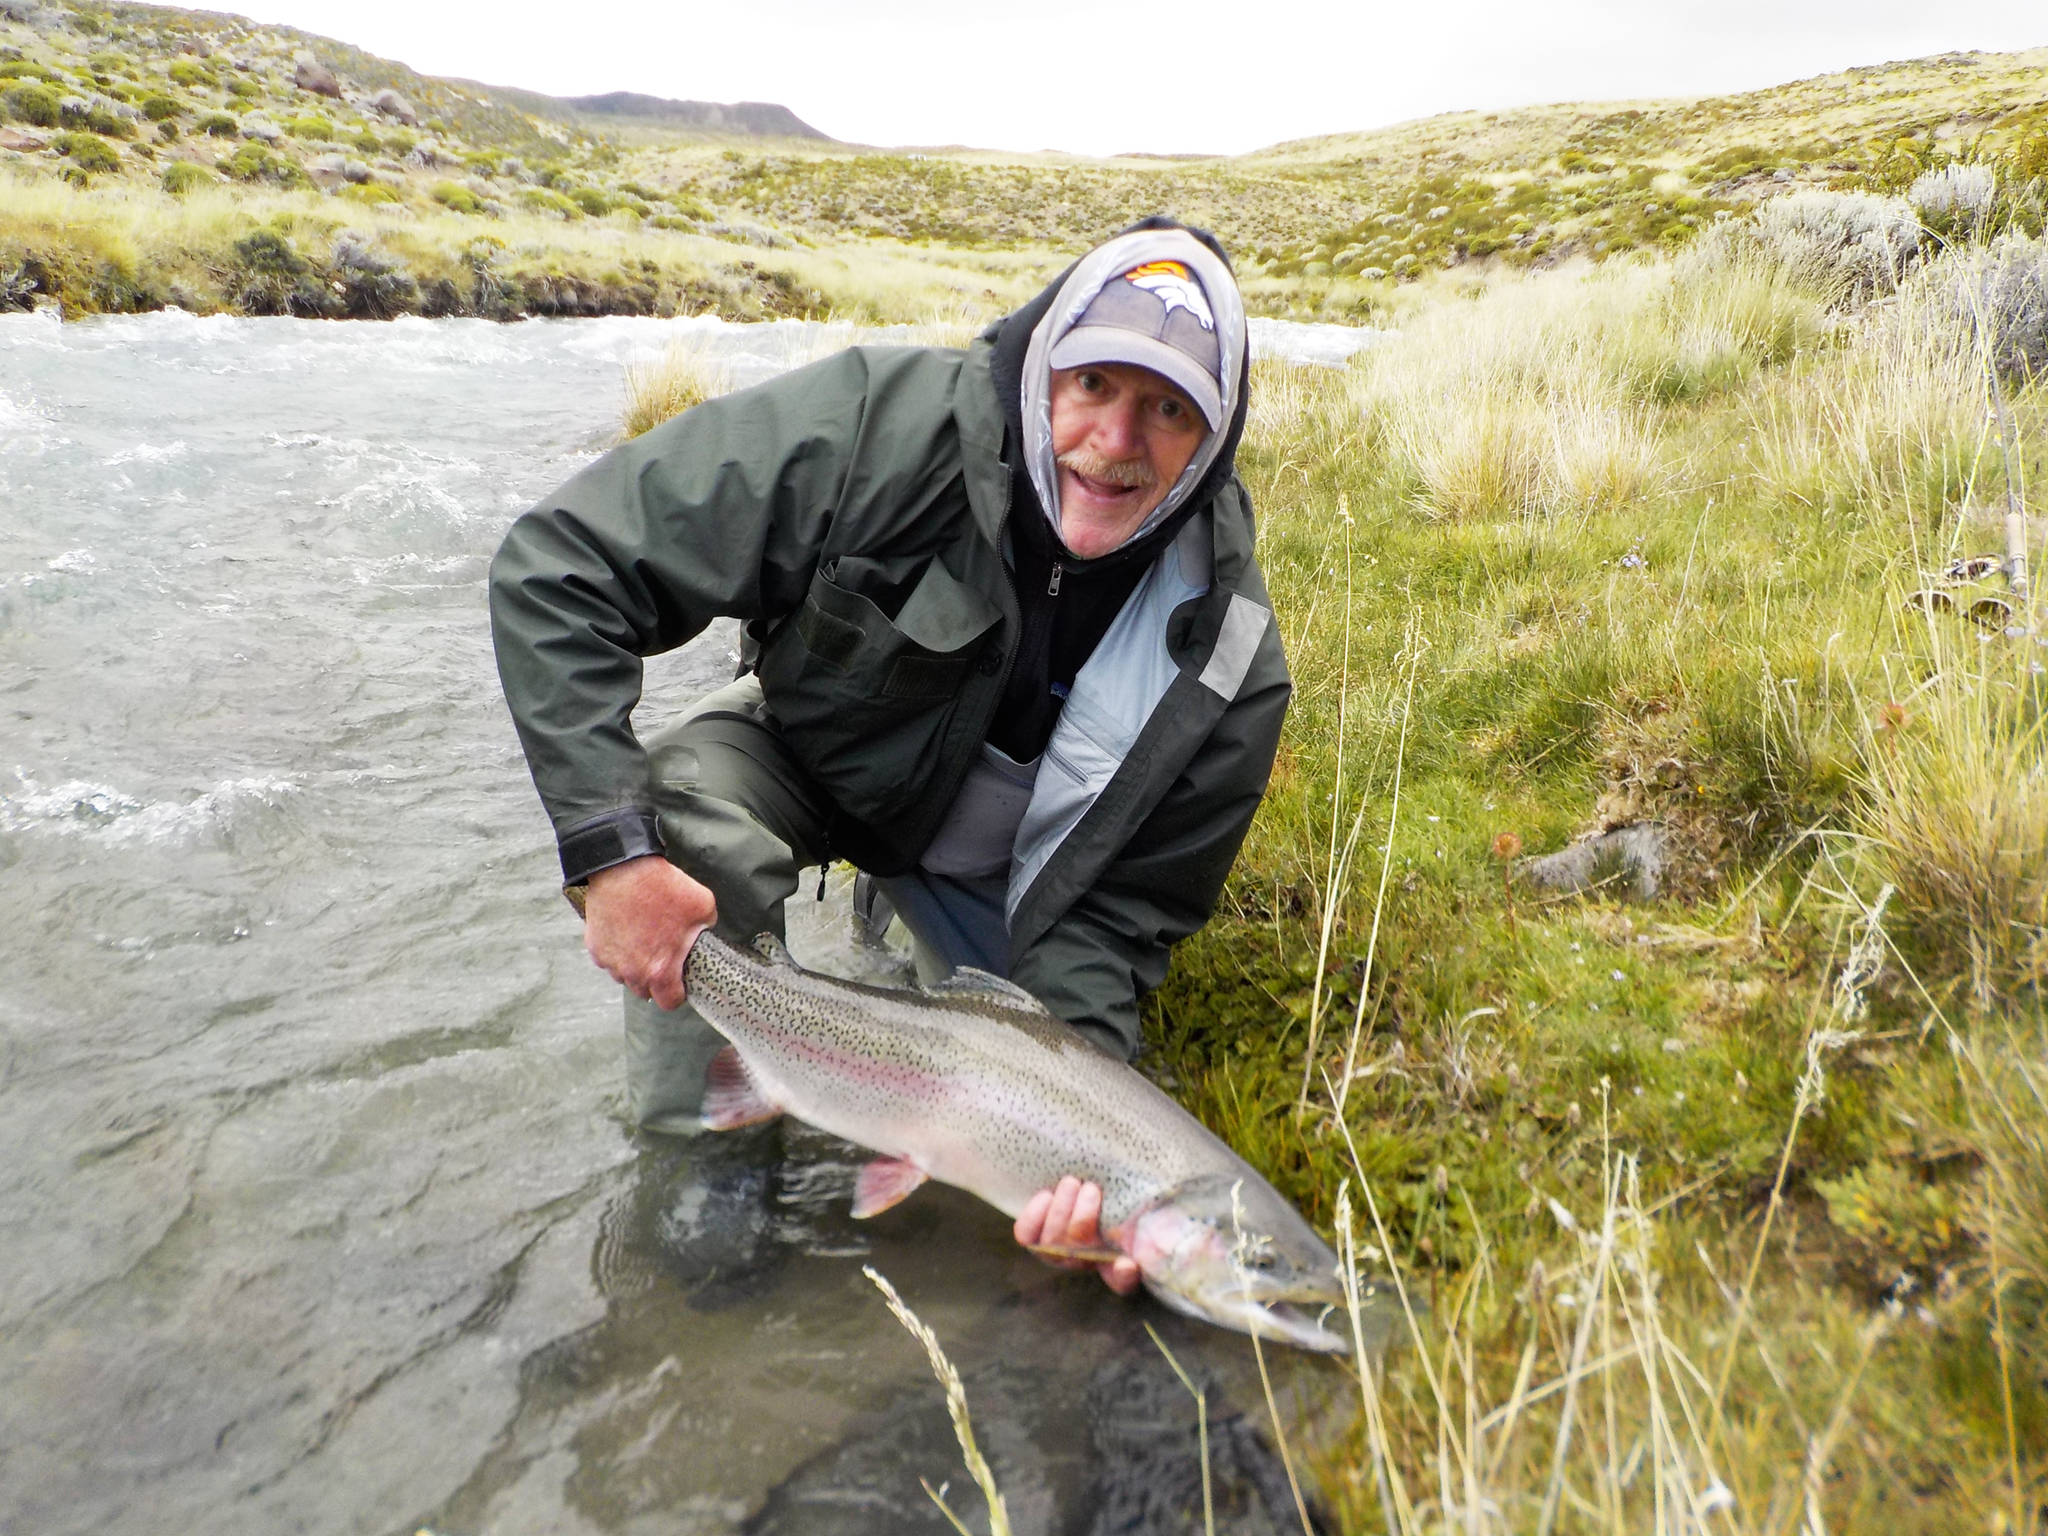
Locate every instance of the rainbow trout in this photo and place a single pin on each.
(973, 1083)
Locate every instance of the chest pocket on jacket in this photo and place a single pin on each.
(924, 652)
(864, 696)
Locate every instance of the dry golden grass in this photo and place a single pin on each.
(686, 375)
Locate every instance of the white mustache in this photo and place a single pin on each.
(1131, 474)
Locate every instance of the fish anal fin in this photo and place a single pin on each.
(967, 982)
(731, 1096)
(1096, 1253)
(885, 1182)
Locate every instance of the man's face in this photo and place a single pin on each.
(1121, 436)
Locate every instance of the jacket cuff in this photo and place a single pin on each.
(602, 841)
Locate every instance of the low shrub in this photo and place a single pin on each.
(189, 72)
(547, 200)
(274, 279)
(455, 197)
(33, 104)
(1863, 241)
(592, 201)
(370, 285)
(252, 162)
(219, 125)
(371, 192)
(88, 152)
(182, 176)
(1999, 292)
(160, 108)
(96, 118)
(241, 87)
(311, 126)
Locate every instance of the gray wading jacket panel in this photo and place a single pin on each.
(856, 506)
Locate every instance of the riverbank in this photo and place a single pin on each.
(121, 249)
(1722, 1167)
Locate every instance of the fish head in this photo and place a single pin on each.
(1228, 1249)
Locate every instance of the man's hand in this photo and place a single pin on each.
(1070, 1215)
(639, 921)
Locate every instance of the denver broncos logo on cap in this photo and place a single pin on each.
(1174, 286)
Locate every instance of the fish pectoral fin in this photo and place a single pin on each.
(731, 1096)
(1097, 1253)
(885, 1182)
(969, 982)
(772, 951)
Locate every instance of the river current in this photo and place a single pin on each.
(317, 1207)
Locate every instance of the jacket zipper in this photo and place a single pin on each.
(1052, 587)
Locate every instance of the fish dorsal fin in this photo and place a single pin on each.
(967, 982)
(771, 951)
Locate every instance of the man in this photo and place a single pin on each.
(1008, 652)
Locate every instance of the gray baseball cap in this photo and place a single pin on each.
(1158, 317)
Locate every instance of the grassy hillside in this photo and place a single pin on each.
(1728, 1198)
(505, 202)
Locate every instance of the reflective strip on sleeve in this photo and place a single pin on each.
(1244, 625)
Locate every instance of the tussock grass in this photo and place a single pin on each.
(1954, 813)
(684, 376)
(1631, 544)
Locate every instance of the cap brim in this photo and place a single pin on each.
(1087, 344)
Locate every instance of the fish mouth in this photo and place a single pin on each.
(1304, 1326)
(1309, 1318)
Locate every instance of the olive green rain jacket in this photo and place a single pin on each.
(853, 512)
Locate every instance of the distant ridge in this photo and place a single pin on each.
(760, 118)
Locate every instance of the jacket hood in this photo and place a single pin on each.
(1023, 373)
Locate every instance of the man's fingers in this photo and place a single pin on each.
(1030, 1227)
(1084, 1225)
(1059, 1215)
(1122, 1276)
(668, 991)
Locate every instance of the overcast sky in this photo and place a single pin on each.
(1194, 75)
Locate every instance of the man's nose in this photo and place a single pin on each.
(1116, 431)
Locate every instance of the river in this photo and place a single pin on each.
(317, 1208)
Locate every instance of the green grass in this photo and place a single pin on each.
(1805, 1084)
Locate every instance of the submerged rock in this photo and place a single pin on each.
(1631, 859)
